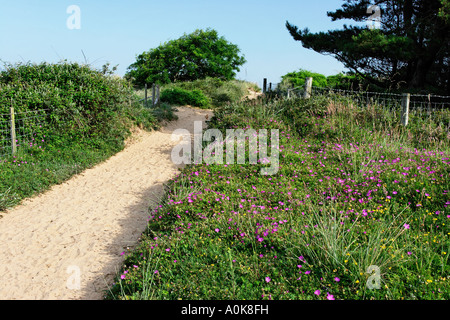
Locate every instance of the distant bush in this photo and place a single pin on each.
(179, 96)
(218, 92)
(349, 81)
(298, 78)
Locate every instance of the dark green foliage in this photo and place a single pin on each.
(410, 50)
(194, 56)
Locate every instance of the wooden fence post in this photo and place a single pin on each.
(145, 95)
(406, 98)
(308, 88)
(13, 132)
(264, 85)
(270, 87)
(153, 94)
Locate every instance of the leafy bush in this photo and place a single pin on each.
(179, 96)
(82, 103)
(297, 79)
(85, 115)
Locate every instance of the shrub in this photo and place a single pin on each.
(219, 92)
(179, 96)
(297, 79)
(81, 103)
(84, 117)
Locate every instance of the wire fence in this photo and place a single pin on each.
(19, 130)
(410, 107)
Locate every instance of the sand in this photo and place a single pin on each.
(66, 243)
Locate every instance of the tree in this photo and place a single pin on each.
(410, 49)
(194, 56)
(444, 12)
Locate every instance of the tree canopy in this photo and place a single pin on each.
(409, 50)
(198, 55)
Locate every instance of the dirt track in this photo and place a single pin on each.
(78, 230)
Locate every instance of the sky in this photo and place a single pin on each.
(116, 31)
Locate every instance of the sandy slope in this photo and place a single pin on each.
(78, 230)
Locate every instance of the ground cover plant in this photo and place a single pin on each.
(81, 117)
(359, 209)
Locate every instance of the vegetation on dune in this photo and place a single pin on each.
(354, 197)
(206, 93)
(75, 116)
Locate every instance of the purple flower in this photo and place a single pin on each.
(317, 292)
(217, 230)
(337, 279)
(330, 296)
(406, 226)
(267, 279)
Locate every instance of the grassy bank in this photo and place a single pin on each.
(355, 199)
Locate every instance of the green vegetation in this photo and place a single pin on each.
(355, 194)
(207, 93)
(297, 79)
(80, 118)
(182, 97)
(194, 56)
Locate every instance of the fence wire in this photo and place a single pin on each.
(421, 107)
(28, 128)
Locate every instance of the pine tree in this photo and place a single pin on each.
(409, 50)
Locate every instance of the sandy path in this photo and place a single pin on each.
(74, 233)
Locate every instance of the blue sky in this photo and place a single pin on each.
(116, 31)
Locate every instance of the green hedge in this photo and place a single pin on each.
(82, 103)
